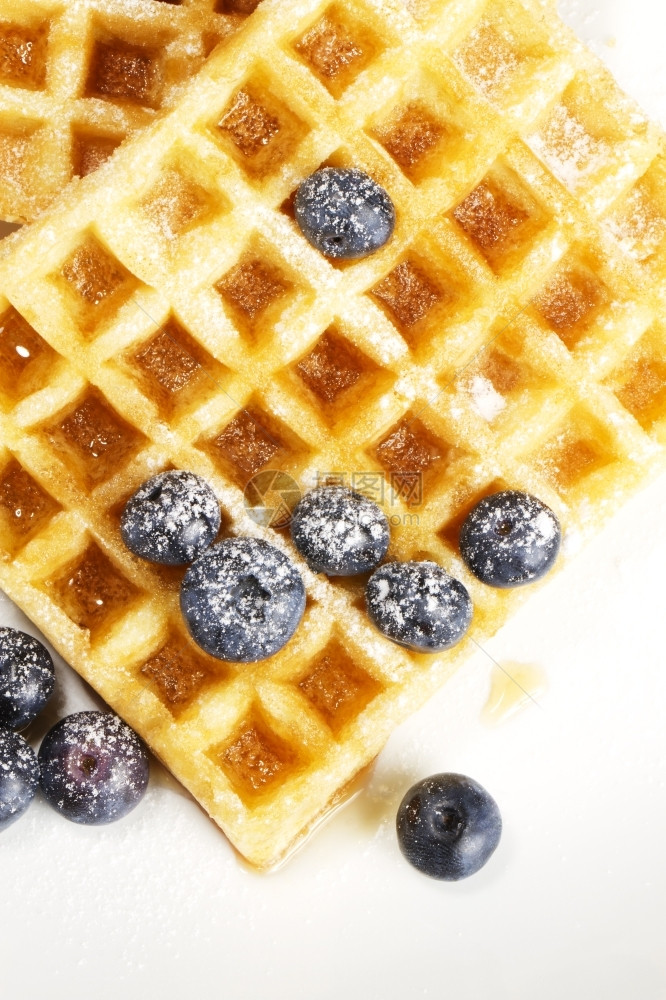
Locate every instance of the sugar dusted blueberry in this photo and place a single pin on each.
(510, 538)
(339, 532)
(19, 776)
(93, 768)
(242, 600)
(343, 213)
(171, 518)
(448, 826)
(27, 677)
(418, 605)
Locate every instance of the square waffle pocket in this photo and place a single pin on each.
(76, 78)
(168, 313)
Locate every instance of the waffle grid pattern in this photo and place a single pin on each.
(77, 78)
(508, 335)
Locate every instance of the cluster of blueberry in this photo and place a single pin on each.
(507, 540)
(243, 599)
(91, 766)
(415, 604)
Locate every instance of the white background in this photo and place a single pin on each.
(572, 904)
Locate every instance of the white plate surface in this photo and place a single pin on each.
(571, 905)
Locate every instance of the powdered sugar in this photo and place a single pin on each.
(242, 600)
(567, 147)
(340, 532)
(418, 605)
(486, 399)
(27, 677)
(94, 768)
(19, 776)
(171, 518)
(510, 538)
(344, 213)
(489, 57)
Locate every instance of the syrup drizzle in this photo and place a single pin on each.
(513, 687)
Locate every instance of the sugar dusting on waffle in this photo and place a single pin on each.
(76, 79)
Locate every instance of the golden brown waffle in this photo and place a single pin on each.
(78, 76)
(168, 313)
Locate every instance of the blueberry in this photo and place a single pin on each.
(94, 768)
(242, 600)
(171, 519)
(343, 213)
(448, 826)
(339, 532)
(510, 538)
(418, 605)
(19, 776)
(27, 678)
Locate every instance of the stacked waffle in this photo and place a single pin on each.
(168, 313)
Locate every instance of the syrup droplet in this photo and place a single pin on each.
(513, 687)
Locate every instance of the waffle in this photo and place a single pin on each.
(78, 76)
(168, 313)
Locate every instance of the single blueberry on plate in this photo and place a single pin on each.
(510, 538)
(19, 776)
(93, 768)
(171, 518)
(448, 826)
(242, 600)
(418, 605)
(27, 677)
(339, 532)
(343, 213)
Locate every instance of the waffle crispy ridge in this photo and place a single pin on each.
(77, 77)
(167, 312)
